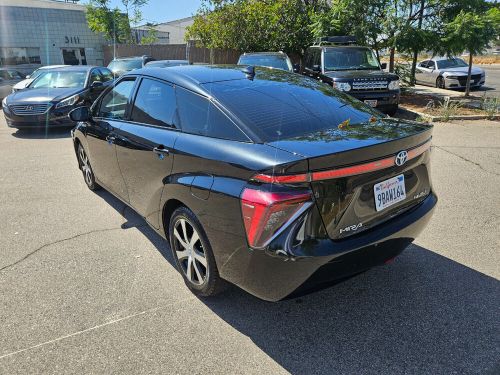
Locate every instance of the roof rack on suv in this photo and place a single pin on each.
(335, 40)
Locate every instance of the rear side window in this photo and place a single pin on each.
(198, 115)
(114, 103)
(154, 103)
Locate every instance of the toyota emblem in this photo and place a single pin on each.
(401, 158)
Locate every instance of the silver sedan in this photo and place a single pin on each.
(448, 73)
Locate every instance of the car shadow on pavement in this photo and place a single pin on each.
(42, 133)
(423, 313)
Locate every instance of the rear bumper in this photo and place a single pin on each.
(273, 277)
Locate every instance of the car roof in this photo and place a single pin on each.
(81, 68)
(165, 61)
(264, 53)
(52, 66)
(194, 77)
(131, 57)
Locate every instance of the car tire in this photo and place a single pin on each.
(391, 110)
(86, 168)
(193, 254)
(440, 83)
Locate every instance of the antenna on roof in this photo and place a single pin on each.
(249, 71)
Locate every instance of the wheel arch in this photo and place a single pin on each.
(168, 209)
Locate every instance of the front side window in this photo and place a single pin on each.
(154, 103)
(431, 65)
(347, 58)
(114, 103)
(200, 116)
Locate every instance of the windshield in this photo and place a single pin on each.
(348, 58)
(269, 61)
(58, 79)
(125, 65)
(451, 63)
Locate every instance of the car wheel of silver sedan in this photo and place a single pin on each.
(440, 83)
(193, 254)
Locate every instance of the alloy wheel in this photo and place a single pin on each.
(440, 83)
(86, 169)
(189, 251)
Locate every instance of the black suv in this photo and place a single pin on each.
(353, 69)
(122, 65)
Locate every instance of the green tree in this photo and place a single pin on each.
(114, 23)
(472, 32)
(255, 25)
(152, 36)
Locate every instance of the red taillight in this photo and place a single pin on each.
(264, 213)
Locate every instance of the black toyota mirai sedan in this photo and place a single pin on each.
(263, 178)
(47, 100)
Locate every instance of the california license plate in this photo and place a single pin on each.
(389, 192)
(371, 103)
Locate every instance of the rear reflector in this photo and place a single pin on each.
(264, 213)
(340, 172)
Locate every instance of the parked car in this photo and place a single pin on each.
(257, 176)
(49, 98)
(354, 69)
(122, 65)
(275, 60)
(29, 78)
(166, 63)
(9, 78)
(448, 73)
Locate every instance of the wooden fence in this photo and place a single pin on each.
(172, 52)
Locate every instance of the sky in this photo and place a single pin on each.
(157, 11)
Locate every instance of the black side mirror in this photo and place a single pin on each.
(383, 66)
(316, 68)
(80, 114)
(96, 84)
(296, 68)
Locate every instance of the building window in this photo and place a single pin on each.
(19, 56)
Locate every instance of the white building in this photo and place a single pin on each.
(46, 32)
(176, 29)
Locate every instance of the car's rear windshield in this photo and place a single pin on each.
(270, 61)
(285, 105)
(125, 65)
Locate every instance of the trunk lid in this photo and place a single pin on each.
(345, 164)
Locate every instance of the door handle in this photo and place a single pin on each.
(160, 150)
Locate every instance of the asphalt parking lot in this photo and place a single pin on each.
(87, 287)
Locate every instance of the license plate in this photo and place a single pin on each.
(371, 103)
(389, 192)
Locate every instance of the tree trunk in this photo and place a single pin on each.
(415, 52)
(467, 85)
(391, 59)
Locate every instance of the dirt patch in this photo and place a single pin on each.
(433, 106)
